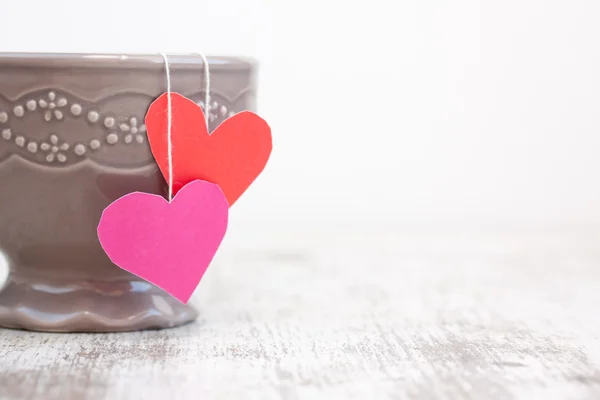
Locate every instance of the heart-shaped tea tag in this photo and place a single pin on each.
(232, 156)
(167, 244)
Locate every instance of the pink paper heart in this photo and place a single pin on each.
(167, 244)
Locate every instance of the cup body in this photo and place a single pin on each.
(72, 140)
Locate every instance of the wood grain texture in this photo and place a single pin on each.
(375, 316)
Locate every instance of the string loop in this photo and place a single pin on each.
(170, 113)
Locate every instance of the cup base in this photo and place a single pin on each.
(89, 306)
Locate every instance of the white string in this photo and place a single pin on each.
(207, 93)
(170, 113)
(169, 120)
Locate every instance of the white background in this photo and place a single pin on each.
(411, 112)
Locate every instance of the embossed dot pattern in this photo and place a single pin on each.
(93, 116)
(55, 107)
(76, 109)
(112, 138)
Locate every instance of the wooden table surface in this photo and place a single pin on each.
(412, 315)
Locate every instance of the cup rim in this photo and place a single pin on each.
(123, 61)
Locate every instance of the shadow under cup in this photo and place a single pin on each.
(72, 140)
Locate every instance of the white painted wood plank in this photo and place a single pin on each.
(391, 316)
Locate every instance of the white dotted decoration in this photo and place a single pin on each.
(134, 125)
(132, 130)
(112, 138)
(119, 130)
(93, 117)
(19, 111)
(52, 107)
(214, 111)
(55, 149)
(76, 109)
(79, 149)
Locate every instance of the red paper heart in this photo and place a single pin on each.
(232, 156)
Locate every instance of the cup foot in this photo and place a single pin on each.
(89, 306)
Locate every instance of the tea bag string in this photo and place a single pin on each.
(170, 113)
(207, 91)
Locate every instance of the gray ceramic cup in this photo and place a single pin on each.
(72, 140)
